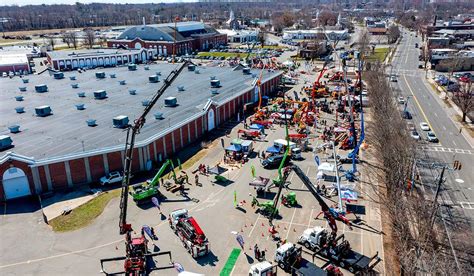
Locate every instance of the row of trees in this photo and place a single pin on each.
(73, 40)
(419, 243)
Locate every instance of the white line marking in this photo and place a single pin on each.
(435, 114)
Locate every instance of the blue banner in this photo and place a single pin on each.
(316, 159)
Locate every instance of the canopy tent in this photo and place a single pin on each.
(236, 141)
(233, 147)
(217, 170)
(349, 195)
(326, 167)
(256, 127)
(273, 149)
(340, 129)
(288, 63)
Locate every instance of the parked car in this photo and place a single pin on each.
(432, 137)
(414, 134)
(401, 100)
(410, 126)
(393, 78)
(273, 161)
(424, 126)
(110, 178)
(406, 115)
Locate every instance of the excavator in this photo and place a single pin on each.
(318, 88)
(138, 260)
(143, 191)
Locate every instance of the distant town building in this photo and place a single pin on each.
(16, 59)
(184, 38)
(74, 59)
(240, 36)
(317, 33)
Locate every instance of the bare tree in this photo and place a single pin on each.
(89, 38)
(364, 43)
(393, 33)
(464, 98)
(51, 41)
(71, 39)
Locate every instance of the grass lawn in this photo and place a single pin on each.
(223, 54)
(84, 214)
(379, 54)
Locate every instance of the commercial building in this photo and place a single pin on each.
(16, 59)
(240, 36)
(67, 132)
(181, 38)
(317, 33)
(74, 59)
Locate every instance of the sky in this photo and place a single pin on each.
(50, 2)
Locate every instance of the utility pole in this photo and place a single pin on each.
(435, 201)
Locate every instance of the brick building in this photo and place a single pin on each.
(185, 38)
(61, 151)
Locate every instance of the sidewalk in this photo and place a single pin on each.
(451, 110)
(62, 202)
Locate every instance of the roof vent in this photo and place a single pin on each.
(215, 83)
(80, 106)
(22, 88)
(74, 85)
(25, 80)
(100, 94)
(132, 91)
(132, 67)
(213, 77)
(100, 75)
(158, 73)
(5, 142)
(58, 75)
(171, 102)
(122, 82)
(181, 88)
(246, 71)
(72, 77)
(81, 94)
(146, 102)
(120, 121)
(147, 67)
(43, 111)
(41, 88)
(91, 122)
(197, 71)
(154, 78)
(113, 76)
(14, 128)
(191, 67)
(20, 109)
(159, 116)
(214, 92)
(19, 98)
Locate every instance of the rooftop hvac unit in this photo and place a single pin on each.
(41, 88)
(5, 142)
(72, 77)
(22, 88)
(191, 67)
(147, 67)
(158, 73)
(197, 71)
(246, 71)
(113, 76)
(81, 94)
(100, 75)
(25, 80)
(122, 82)
(43, 111)
(213, 77)
(132, 67)
(214, 92)
(74, 85)
(19, 98)
(20, 109)
(100, 94)
(146, 102)
(171, 102)
(159, 116)
(58, 75)
(14, 128)
(215, 83)
(120, 121)
(91, 122)
(80, 106)
(132, 91)
(180, 87)
(154, 78)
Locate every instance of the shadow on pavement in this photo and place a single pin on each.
(20, 206)
(209, 259)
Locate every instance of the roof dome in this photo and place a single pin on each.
(146, 32)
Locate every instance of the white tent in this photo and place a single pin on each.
(326, 167)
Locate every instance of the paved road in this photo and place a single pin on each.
(426, 105)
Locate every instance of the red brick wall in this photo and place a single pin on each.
(136, 161)
(159, 148)
(177, 140)
(96, 164)
(57, 172)
(192, 130)
(185, 134)
(78, 171)
(169, 144)
(44, 181)
(115, 161)
(26, 169)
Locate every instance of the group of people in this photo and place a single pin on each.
(259, 254)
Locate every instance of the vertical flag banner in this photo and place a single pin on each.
(235, 198)
(253, 171)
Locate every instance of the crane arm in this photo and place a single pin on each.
(132, 131)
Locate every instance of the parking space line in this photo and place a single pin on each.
(310, 217)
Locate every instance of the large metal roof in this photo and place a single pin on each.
(66, 132)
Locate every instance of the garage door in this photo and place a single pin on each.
(15, 183)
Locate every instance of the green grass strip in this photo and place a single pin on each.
(229, 265)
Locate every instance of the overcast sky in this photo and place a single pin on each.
(49, 2)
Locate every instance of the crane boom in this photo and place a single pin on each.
(132, 131)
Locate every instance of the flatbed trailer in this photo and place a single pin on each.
(307, 268)
(342, 255)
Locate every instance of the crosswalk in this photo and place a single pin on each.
(450, 150)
